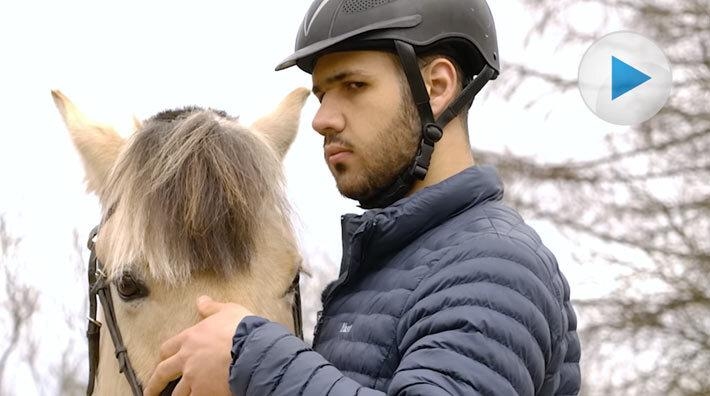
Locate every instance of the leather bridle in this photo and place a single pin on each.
(100, 288)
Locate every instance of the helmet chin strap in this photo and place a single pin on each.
(431, 129)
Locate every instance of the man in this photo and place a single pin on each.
(443, 290)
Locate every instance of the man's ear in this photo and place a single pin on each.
(98, 145)
(442, 84)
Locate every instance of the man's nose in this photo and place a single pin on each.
(328, 119)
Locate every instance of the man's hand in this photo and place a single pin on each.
(200, 354)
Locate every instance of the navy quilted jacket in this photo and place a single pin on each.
(446, 292)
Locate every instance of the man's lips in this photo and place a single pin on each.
(334, 153)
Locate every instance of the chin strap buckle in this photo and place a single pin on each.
(431, 133)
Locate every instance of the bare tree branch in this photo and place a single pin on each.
(21, 303)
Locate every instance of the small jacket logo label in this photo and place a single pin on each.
(345, 328)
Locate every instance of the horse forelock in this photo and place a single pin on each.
(192, 188)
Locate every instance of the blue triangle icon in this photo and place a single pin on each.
(624, 78)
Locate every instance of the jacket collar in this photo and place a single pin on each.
(398, 224)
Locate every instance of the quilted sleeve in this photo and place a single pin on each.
(570, 372)
(269, 360)
(489, 320)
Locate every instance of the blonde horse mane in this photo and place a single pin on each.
(196, 184)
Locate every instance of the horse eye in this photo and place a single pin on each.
(129, 288)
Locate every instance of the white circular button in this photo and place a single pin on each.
(625, 78)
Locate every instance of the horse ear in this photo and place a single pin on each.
(137, 123)
(98, 145)
(281, 125)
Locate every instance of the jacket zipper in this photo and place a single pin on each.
(348, 275)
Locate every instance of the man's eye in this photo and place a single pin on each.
(356, 84)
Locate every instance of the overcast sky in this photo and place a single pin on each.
(135, 58)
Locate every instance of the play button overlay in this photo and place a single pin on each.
(625, 78)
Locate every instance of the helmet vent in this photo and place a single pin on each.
(353, 6)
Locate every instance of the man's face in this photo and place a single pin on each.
(367, 118)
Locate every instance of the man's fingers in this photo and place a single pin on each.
(166, 371)
(207, 306)
(171, 346)
(181, 389)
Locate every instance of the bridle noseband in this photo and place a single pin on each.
(100, 288)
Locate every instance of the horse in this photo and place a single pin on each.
(192, 203)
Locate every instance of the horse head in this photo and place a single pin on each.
(193, 203)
